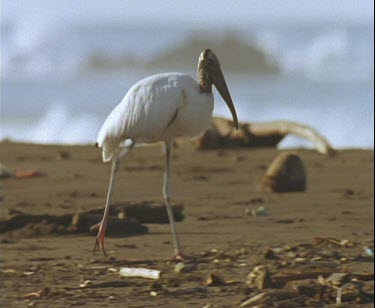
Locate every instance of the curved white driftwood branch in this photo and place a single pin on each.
(222, 135)
(284, 128)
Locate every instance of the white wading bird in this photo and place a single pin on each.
(161, 108)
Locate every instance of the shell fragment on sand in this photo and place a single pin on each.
(337, 279)
(214, 279)
(259, 211)
(182, 268)
(139, 272)
(259, 278)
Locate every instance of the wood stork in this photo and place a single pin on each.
(158, 109)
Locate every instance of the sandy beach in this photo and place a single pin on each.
(327, 228)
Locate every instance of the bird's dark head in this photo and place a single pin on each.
(208, 62)
(210, 73)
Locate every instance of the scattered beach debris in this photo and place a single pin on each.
(316, 282)
(333, 241)
(222, 134)
(285, 174)
(139, 272)
(338, 288)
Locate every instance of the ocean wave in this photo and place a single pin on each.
(324, 55)
(51, 50)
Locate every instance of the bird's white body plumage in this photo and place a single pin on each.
(158, 108)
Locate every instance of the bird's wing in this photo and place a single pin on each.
(145, 112)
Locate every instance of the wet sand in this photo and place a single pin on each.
(328, 226)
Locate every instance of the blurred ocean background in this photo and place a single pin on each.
(66, 64)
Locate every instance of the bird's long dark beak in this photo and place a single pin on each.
(221, 86)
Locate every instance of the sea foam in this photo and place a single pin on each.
(58, 125)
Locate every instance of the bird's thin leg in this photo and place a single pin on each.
(166, 193)
(103, 224)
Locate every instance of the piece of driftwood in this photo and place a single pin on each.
(270, 297)
(20, 220)
(69, 223)
(307, 287)
(82, 223)
(186, 291)
(107, 284)
(143, 212)
(123, 219)
(281, 279)
(222, 134)
(286, 173)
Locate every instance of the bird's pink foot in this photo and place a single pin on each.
(99, 242)
(178, 256)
